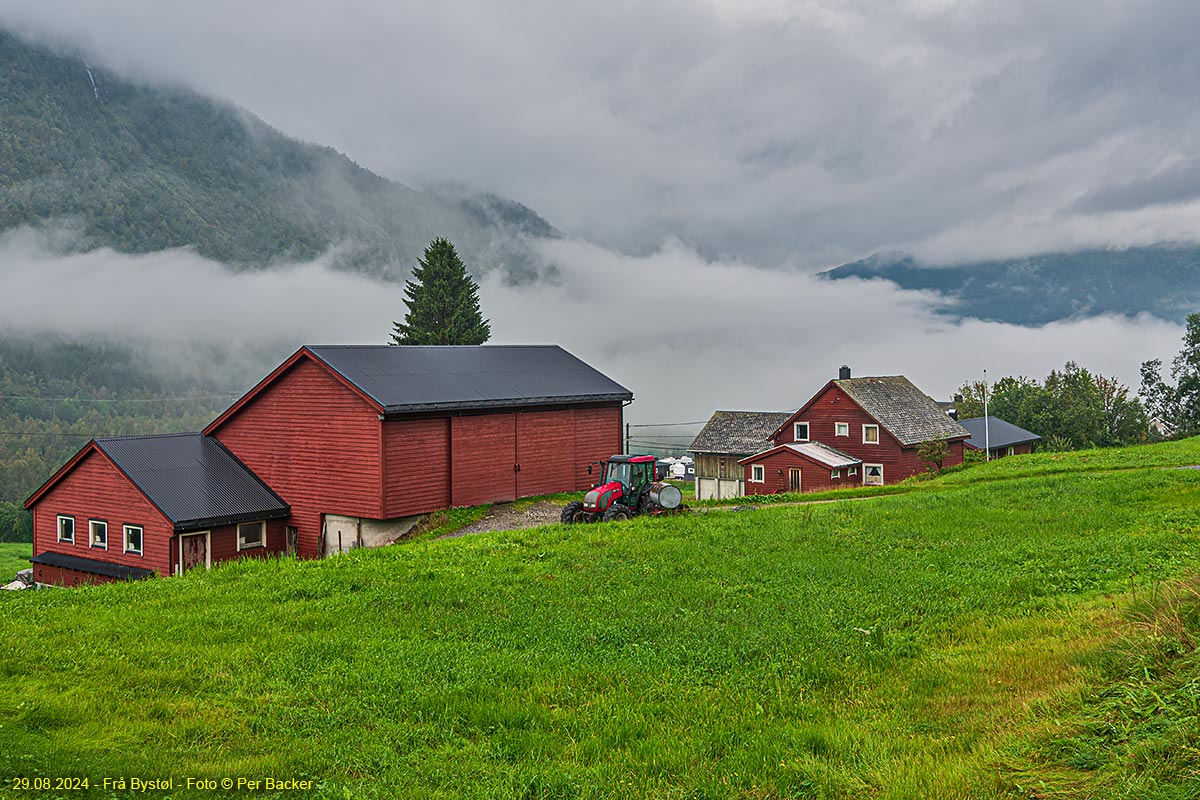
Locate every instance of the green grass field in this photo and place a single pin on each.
(1021, 629)
(14, 556)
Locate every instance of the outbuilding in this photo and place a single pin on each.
(1001, 438)
(800, 467)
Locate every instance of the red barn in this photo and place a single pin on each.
(138, 506)
(359, 438)
(336, 446)
(881, 421)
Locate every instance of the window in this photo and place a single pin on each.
(1012, 450)
(837, 473)
(133, 539)
(251, 534)
(841, 429)
(99, 531)
(852, 471)
(870, 434)
(873, 474)
(800, 429)
(757, 473)
(66, 529)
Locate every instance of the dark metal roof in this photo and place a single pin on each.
(193, 480)
(416, 379)
(908, 413)
(999, 433)
(91, 565)
(738, 432)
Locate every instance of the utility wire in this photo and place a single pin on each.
(118, 399)
(668, 424)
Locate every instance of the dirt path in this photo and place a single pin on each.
(504, 517)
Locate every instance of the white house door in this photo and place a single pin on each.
(873, 474)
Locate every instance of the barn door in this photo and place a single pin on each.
(545, 452)
(483, 459)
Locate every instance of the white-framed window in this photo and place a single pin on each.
(835, 474)
(800, 431)
(252, 534)
(758, 473)
(870, 434)
(133, 539)
(873, 474)
(1012, 451)
(852, 471)
(841, 429)
(66, 529)
(98, 533)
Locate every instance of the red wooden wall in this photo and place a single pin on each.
(598, 435)
(316, 442)
(416, 466)
(96, 489)
(813, 476)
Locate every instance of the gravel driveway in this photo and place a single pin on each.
(504, 517)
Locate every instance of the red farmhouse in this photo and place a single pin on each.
(878, 422)
(352, 443)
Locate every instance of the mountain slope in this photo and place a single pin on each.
(1163, 280)
(140, 168)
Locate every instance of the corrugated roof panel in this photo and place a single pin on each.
(192, 479)
(432, 378)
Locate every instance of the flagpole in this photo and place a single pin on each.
(987, 439)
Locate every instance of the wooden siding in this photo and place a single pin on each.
(416, 472)
(597, 437)
(833, 406)
(813, 476)
(63, 576)
(316, 442)
(96, 489)
(710, 466)
(545, 452)
(484, 458)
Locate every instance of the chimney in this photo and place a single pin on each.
(844, 373)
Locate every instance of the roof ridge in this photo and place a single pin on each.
(99, 439)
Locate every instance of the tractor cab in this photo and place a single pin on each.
(634, 473)
(627, 488)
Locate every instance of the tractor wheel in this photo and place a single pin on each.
(618, 511)
(573, 512)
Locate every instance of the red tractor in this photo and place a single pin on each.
(628, 487)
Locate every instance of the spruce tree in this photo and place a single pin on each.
(443, 302)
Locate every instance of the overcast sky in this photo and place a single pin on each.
(807, 133)
(701, 156)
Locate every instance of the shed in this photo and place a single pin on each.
(1001, 437)
(727, 437)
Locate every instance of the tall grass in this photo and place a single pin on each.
(940, 643)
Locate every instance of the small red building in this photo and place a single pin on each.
(803, 467)
(138, 506)
(336, 446)
(879, 420)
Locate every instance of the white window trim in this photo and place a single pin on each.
(881, 475)
(59, 522)
(841, 426)
(852, 471)
(92, 533)
(760, 470)
(262, 542)
(835, 474)
(865, 427)
(1012, 451)
(125, 529)
(796, 432)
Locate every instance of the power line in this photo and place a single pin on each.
(119, 399)
(668, 424)
(73, 435)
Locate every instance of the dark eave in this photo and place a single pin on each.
(187, 526)
(390, 412)
(95, 567)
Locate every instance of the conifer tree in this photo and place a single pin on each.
(443, 302)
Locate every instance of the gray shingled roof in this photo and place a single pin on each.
(999, 433)
(908, 413)
(413, 379)
(738, 432)
(193, 480)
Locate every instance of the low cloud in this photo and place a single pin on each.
(687, 335)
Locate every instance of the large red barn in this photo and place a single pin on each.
(352, 443)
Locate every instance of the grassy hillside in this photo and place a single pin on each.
(1011, 635)
(141, 168)
(13, 558)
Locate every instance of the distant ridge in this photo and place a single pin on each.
(1162, 280)
(141, 168)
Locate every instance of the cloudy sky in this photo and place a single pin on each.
(808, 132)
(710, 154)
